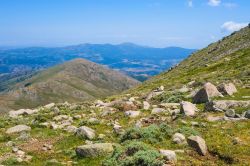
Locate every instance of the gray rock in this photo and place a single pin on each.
(169, 155)
(247, 114)
(15, 114)
(94, 150)
(230, 113)
(227, 89)
(158, 110)
(188, 108)
(198, 144)
(221, 105)
(178, 138)
(85, 132)
(93, 121)
(18, 129)
(146, 105)
(132, 114)
(215, 118)
(71, 129)
(206, 93)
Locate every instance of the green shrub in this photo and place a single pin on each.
(188, 131)
(169, 97)
(134, 154)
(151, 134)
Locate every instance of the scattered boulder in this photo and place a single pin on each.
(198, 144)
(227, 89)
(118, 129)
(158, 110)
(206, 93)
(18, 129)
(14, 114)
(132, 114)
(169, 155)
(247, 114)
(49, 106)
(215, 118)
(71, 129)
(146, 105)
(61, 117)
(230, 113)
(94, 150)
(222, 105)
(93, 121)
(188, 108)
(155, 93)
(178, 138)
(85, 132)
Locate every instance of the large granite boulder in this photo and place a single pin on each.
(227, 89)
(206, 93)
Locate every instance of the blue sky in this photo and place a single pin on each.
(158, 23)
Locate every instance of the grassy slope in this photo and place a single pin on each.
(227, 59)
(74, 81)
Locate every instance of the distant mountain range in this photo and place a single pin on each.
(139, 62)
(74, 81)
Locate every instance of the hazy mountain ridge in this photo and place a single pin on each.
(125, 57)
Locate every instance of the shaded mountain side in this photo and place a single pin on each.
(227, 59)
(74, 81)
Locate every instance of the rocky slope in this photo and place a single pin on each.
(74, 81)
(200, 117)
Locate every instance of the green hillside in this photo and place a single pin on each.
(75, 81)
(227, 59)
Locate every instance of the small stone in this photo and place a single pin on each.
(146, 105)
(10, 143)
(169, 155)
(158, 110)
(230, 113)
(132, 114)
(178, 138)
(85, 131)
(247, 114)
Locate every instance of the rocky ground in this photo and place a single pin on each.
(194, 125)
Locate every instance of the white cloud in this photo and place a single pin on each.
(214, 2)
(190, 3)
(233, 26)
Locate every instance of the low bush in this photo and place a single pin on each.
(134, 154)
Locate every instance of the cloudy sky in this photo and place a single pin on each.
(158, 23)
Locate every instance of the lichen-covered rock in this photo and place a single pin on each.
(18, 129)
(94, 150)
(85, 132)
